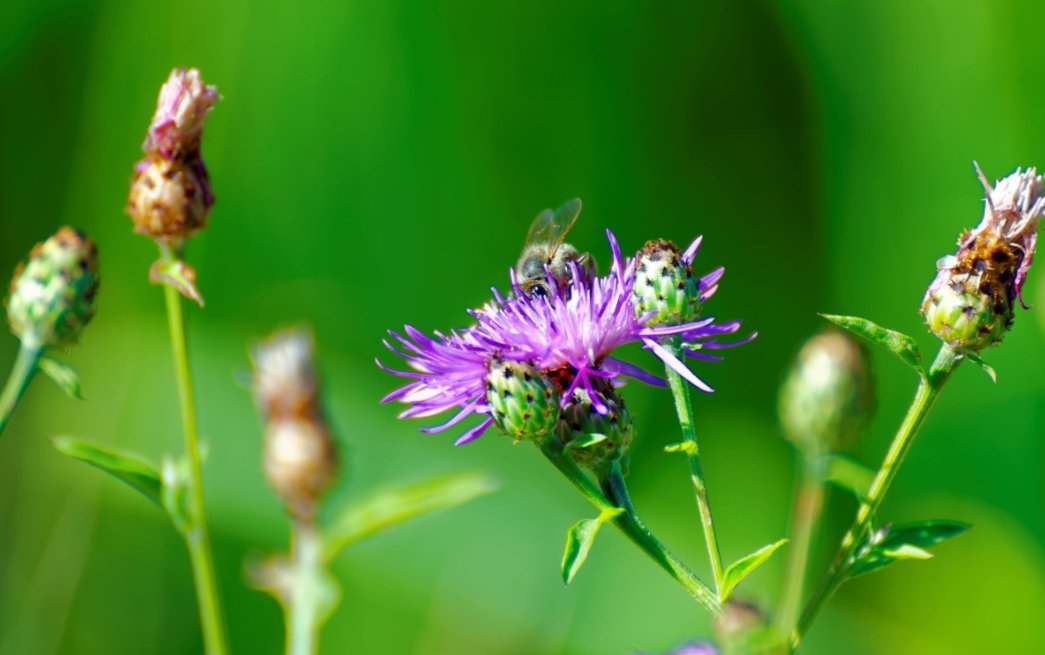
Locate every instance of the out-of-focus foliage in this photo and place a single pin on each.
(377, 163)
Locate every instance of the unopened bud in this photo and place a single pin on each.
(524, 403)
(170, 198)
(300, 458)
(52, 293)
(181, 111)
(581, 419)
(970, 304)
(665, 284)
(828, 396)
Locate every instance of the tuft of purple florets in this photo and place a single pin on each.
(568, 335)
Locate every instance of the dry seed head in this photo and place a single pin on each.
(170, 198)
(300, 461)
(284, 377)
(52, 293)
(970, 304)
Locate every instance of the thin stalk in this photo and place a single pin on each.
(684, 408)
(628, 522)
(302, 608)
(928, 391)
(809, 499)
(17, 382)
(196, 536)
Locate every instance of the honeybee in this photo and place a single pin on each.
(545, 248)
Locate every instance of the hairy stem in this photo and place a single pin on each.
(18, 381)
(616, 496)
(684, 408)
(196, 535)
(928, 391)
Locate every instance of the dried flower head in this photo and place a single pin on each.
(300, 459)
(570, 335)
(52, 294)
(970, 304)
(828, 396)
(181, 111)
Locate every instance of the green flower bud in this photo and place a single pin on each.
(970, 303)
(664, 283)
(828, 396)
(580, 421)
(52, 293)
(523, 401)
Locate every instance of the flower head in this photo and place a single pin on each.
(180, 114)
(569, 335)
(970, 303)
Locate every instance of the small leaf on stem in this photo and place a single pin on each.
(740, 569)
(902, 541)
(133, 470)
(579, 539)
(901, 345)
(688, 447)
(177, 274)
(176, 476)
(849, 474)
(987, 368)
(391, 507)
(62, 374)
(586, 440)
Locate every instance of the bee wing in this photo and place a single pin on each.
(551, 227)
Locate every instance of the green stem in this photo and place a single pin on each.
(928, 391)
(196, 536)
(18, 381)
(809, 498)
(628, 522)
(302, 611)
(684, 408)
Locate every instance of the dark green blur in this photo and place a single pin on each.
(378, 163)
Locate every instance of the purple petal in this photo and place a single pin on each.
(474, 433)
(676, 364)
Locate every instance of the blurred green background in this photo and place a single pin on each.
(378, 163)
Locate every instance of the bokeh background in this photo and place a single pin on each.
(378, 163)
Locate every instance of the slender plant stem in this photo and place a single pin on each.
(196, 535)
(303, 606)
(18, 381)
(684, 407)
(809, 498)
(928, 391)
(616, 497)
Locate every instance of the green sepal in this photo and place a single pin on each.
(586, 440)
(901, 345)
(177, 274)
(130, 469)
(62, 374)
(987, 368)
(902, 541)
(849, 474)
(388, 508)
(579, 540)
(741, 568)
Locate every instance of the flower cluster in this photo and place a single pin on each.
(171, 195)
(562, 341)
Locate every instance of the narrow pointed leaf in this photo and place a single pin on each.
(850, 475)
(579, 539)
(586, 440)
(63, 375)
(901, 345)
(688, 446)
(130, 469)
(740, 569)
(903, 541)
(391, 507)
(176, 274)
(987, 368)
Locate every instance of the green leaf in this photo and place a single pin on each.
(398, 505)
(688, 446)
(177, 274)
(175, 476)
(579, 540)
(130, 469)
(63, 375)
(987, 368)
(849, 474)
(586, 441)
(897, 343)
(740, 569)
(902, 541)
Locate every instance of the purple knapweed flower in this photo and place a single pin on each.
(180, 114)
(569, 336)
